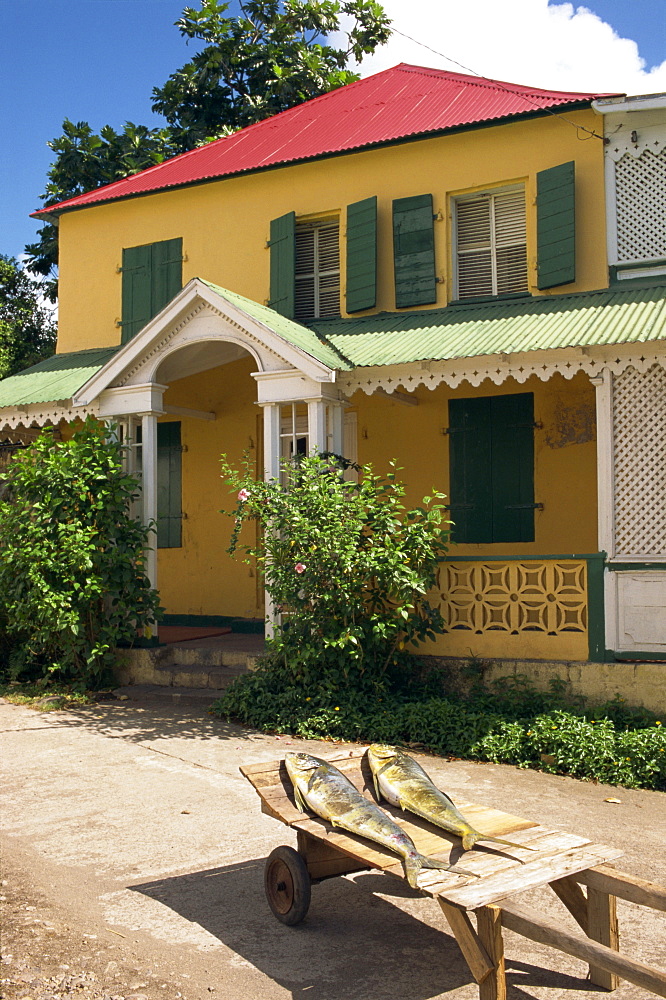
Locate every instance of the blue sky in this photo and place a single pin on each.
(98, 60)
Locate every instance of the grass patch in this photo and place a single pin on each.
(51, 698)
(507, 723)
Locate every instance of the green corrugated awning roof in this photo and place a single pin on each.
(57, 378)
(509, 326)
(305, 339)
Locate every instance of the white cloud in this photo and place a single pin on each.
(554, 46)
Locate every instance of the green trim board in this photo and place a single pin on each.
(621, 656)
(524, 558)
(640, 566)
(251, 626)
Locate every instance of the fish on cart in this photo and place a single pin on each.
(323, 789)
(402, 782)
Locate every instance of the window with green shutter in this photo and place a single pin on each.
(492, 468)
(169, 486)
(152, 275)
(556, 229)
(490, 244)
(414, 252)
(362, 255)
(317, 270)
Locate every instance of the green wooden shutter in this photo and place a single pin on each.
(414, 251)
(470, 460)
(169, 486)
(556, 249)
(283, 264)
(167, 272)
(136, 290)
(492, 468)
(512, 467)
(362, 255)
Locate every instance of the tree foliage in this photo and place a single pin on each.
(273, 55)
(72, 557)
(27, 327)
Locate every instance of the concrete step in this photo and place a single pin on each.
(179, 666)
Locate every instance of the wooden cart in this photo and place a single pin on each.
(564, 861)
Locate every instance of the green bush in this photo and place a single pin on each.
(349, 567)
(571, 741)
(71, 557)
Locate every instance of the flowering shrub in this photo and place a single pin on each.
(349, 568)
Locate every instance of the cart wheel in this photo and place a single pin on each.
(287, 885)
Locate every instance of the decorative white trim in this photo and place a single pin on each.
(498, 368)
(41, 414)
(603, 384)
(140, 358)
(134, 399)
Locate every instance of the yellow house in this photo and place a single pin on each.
(413, 267)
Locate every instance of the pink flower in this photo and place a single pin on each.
(299, 567)
(243, 495)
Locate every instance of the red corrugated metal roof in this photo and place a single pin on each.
(398, 103)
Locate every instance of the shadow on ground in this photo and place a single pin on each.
(148, 721)
(353, 944)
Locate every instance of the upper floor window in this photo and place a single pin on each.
(317, 270)
(152, 275)
(491, 244)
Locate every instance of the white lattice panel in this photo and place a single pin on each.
(639, 454)
(641, 206)
(514, 597)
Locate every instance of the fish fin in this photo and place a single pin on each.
(469, 840)
(375, 782)
(300, 801)
(413, 865)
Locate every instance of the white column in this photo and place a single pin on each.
(337, 412)
(317, 426)
(271, 440)
(149, 491)
(603, 384)
(271, 471)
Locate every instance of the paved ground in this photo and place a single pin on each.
(133, 862)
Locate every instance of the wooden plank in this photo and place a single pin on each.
(489, 924)
(636, 890)
(602, 927)
(324, 860)
(573, 897)
(473, 951)
(521, 877)
(531, 924)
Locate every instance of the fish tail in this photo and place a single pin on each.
(471, 838)
(414, 863)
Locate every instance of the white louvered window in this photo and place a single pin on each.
(491, 244)
(317, 270)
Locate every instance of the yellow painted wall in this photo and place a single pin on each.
(200, 578)
(564, 479)
(225, 224)
(565, 455)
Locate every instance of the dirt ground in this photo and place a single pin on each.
(132, 869)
